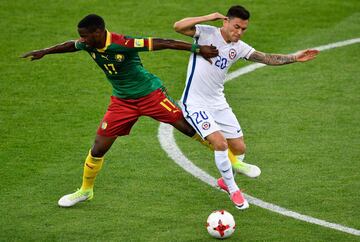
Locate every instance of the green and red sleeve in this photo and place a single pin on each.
(132, 44)
(122, 42)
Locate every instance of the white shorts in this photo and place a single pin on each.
(207, 121)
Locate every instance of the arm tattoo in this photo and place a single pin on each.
(271, 59)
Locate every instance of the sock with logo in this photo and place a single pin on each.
(224, 166)
(92, 166)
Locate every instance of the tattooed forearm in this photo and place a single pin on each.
(272, 59)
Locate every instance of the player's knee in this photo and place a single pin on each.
(242, 148)
(220, 145)
(98, 150)
(190, 131)
(184, 127)
(239, 149)
(95, 152)
(101, 145)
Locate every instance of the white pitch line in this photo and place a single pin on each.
(168, 144)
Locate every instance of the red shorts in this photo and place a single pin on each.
(122, 114)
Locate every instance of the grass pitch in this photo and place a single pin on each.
(300, 122)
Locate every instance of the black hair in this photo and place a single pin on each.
(92, 22)
(238, 12)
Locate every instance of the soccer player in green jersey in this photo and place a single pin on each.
(136, 92)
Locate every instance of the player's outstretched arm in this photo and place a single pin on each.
(186, 26)
(204, 50)
(279, 59)
(68, 46)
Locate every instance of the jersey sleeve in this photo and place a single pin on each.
(133, 44)
(201, 29)
(79, 45)
(244, 50)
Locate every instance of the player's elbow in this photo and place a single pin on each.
(183, 28)
(177, 27)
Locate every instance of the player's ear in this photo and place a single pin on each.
(226, 21)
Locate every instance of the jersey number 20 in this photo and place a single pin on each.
(200, 116)
(221, 62)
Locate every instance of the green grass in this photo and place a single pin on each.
(300, 123)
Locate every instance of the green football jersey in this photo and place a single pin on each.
(120, 61)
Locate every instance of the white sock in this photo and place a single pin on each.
(224, 166)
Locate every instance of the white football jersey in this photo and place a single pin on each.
(205, 81)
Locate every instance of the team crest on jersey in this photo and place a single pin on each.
(139, 43)
(205, 125)
(119, 57)
(232, 54)
(93, 55)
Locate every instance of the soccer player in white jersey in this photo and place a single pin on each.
(203, 99)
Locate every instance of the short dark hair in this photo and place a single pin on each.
(238, 12)
(92, 22)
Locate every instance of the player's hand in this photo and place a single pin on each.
(208, 52)
(217, 16)
(35, 55)
(306, 55)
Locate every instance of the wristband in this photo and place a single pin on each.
(195, 48)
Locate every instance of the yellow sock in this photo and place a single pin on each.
(92, 166)
(232, 157)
